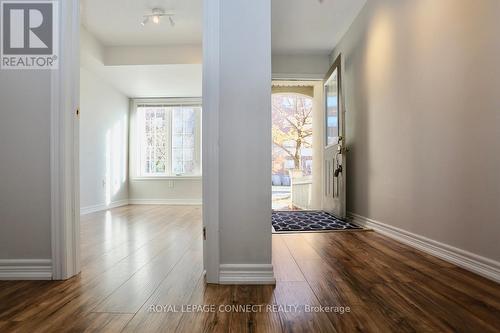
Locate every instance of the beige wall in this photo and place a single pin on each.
(296, 66)
(25, 164)
(304, 90)
(244, 190)
(422, 85)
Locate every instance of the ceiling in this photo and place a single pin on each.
(311, 26)
(298, 26)
(118, 22)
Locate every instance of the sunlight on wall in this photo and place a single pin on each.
(379, 63)
(124, 148)
(116, 153)
(116, 159)
(108, 168)
(380, 48)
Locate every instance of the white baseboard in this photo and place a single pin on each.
(472, 262)
(246, 274)
(100, 207)
(25, 269)
(180, 202)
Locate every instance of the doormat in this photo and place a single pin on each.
(297, 221)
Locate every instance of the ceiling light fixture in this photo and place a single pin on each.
(156, 15)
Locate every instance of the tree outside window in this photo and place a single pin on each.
(292, 133)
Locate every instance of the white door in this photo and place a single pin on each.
(334, 200)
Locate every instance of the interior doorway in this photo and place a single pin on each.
(131, 145)
(140, 135)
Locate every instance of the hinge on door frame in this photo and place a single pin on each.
(204, 233)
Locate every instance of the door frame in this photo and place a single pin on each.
(64, 143)
(210, 138)
(64, 147)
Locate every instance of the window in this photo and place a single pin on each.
(169, 140)
(332, 109)
(183, 140)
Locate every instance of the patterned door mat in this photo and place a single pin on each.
(296, 221)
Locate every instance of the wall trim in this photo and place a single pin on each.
(166, 178)
(101, 207)
(180, 202)
(472, 262)
(246, 274)
(126, 202)
(25, 269)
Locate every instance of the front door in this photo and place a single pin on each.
(334, 200)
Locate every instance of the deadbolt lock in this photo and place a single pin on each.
(342, 149)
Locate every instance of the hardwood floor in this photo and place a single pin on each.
(134, 257)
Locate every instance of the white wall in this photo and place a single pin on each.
(423, 123)
(153, 81)
(25, 164)
(103, 132)
(152, 55)
(103, 143)
(173, 191)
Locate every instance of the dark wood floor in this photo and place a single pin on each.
(137, 256)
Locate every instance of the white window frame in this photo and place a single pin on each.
(136, 138)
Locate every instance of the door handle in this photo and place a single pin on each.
(338, 171)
